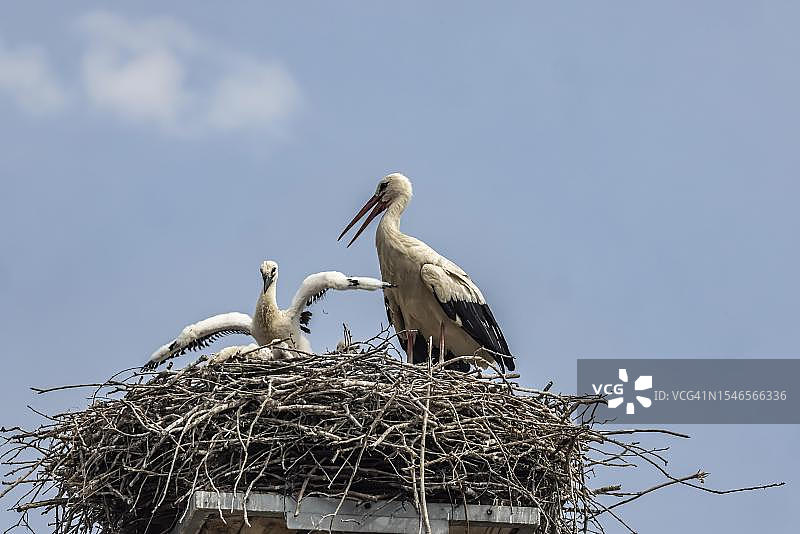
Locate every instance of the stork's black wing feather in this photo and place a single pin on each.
(305, 320)
(176, 350)
(205, 341)
(388, 311)
(316, 296)
(479, 322)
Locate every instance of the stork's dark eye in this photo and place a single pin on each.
(382, 186)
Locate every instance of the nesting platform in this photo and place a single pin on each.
(272, 513)
(362, 427)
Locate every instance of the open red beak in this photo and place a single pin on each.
(378, 205)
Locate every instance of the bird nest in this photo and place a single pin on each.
(360, 425)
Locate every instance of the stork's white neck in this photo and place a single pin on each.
(390, 222)
(267, 302)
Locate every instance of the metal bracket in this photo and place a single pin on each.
(382, 517)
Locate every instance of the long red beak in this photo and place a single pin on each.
(379, 206)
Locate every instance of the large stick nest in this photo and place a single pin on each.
(361, 425)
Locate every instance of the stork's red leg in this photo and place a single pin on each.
(442, 350)
(410, 335)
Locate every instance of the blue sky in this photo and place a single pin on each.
(620, 179)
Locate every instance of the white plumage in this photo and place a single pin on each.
(269, 323)
(434, 296)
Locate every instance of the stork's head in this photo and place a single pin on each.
(392, 188)
(269, 273)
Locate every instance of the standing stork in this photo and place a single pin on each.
(269, 323)
(435, 297)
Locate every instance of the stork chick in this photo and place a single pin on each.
(269, 323)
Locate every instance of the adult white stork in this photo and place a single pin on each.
(269, 323)
(434, 297)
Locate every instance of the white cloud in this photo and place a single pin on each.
(157, 71)
(26, 76)
(146, 87)
(254, 94)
